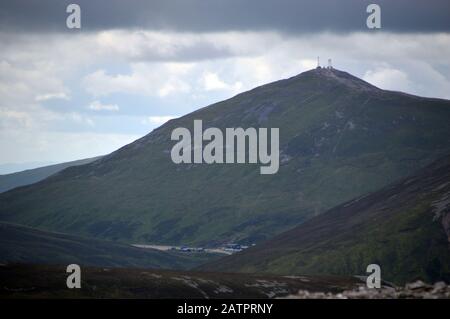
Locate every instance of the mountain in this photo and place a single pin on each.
(340, 137)
(30, 176)
(404, 228)
(20, 244)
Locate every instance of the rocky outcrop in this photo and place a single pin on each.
(415, 290)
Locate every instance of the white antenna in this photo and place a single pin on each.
(330, 66)
(318, 62)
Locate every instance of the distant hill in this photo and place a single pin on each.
(9, 168)
(20, 244)
(404, 228)
(30, 176)
(340, 137)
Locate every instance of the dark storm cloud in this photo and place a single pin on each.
(223, 15)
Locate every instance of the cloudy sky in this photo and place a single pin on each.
(70, 94)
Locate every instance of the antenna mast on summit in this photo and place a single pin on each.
(330, 65)
(318, 62)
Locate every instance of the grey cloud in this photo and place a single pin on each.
(289, 16)
(189, 52)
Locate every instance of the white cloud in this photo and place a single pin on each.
(173, 85)
(308, 63)
(51, 96)
(81, 119)
(211, 81)
(388, 79)
(157, 120)
(151, 46)
(15, 119)
(151, 80)
(49, 146)
(23, 83)
(99, 106)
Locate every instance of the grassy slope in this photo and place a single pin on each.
(400, 227)
(27, 245)
(340, 138)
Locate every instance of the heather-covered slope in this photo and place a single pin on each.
(340, 137)
(32, 281)
(405, 228)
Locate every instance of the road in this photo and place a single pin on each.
(167, 247)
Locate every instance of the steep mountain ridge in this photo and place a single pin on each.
(403, 228)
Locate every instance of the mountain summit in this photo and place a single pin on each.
(330, 77)
(340, 137)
